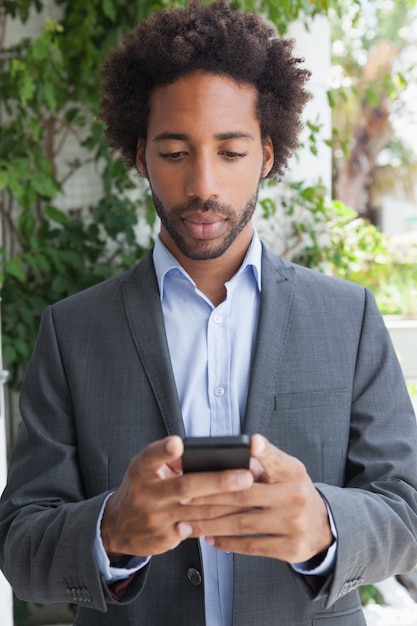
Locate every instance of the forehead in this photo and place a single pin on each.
(203, 103)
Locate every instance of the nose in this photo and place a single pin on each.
(202, 179)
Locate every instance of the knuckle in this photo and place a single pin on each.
(208, 511)
(151, 521)
(299, 496)
(181, 487)
(244, 498)
(224, 481)
(244, 525)
(300, 470)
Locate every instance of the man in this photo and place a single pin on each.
(211, 334)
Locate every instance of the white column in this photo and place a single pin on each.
(314, 47)
(6, 597)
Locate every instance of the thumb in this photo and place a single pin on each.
(157, 458)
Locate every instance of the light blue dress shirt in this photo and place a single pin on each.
(211, 350)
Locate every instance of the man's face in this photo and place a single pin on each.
(204, 159)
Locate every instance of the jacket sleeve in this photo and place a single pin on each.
(375, 513)
(47, 520)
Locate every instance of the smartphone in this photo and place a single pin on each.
(212, 454)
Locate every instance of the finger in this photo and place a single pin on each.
(279, 547)
(283, 547)
(164, 452)
(260, 495)
(204, 484)
(278, 466)
(235, 521)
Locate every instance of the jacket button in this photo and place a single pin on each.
(194, 576)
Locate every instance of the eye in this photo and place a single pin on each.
(233, 156)
(172, 156)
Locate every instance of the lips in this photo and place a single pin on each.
(203, 225)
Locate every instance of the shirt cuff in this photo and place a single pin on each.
(112, 574)
(326, 565)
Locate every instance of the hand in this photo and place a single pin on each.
(144, 516)
(282, 515)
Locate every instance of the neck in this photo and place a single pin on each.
(210, 275)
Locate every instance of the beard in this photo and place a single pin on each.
(204, 249)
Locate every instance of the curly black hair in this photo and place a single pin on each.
(212, 38)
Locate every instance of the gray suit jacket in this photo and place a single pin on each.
(326, 387)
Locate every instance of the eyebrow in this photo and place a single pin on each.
(219, 137)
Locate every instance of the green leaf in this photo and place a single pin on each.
(373, 97)
(52, 26)
(56, 215)
(109, 10)
(3, 179)
(49, 95)
(45, 185)
(71, 114)
(22, 347)
(58, 285)
(27, 89)
(9, 354)
(14, 268)
(330, 98)
(43, 263)
(41, 47)
(26, 225)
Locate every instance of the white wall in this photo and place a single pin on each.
(277, 231)
(399, 214)
(6, 598)
(314, 47)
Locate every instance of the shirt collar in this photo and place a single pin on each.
(165, 263)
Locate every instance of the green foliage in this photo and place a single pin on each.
(370, 595)
(412, 389)
(308, 228)
(394, 284)
(21, 612)
(49, 99)
(304, 226)
(49, 96)
(286, 11)
(373, 71)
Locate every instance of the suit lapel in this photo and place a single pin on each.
(144, 314)
(277, 297)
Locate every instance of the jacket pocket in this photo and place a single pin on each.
(314, 427)
(353, 617)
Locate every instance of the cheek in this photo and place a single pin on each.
(163, 184)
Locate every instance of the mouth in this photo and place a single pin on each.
(203, 225)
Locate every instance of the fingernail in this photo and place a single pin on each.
(261, 445)
(209, 541)
(243, 479)
(184, 529)
(170, 445)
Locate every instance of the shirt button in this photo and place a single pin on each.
(217, 318)
(219, 391)
(194, 576)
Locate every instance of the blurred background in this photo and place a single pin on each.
(71, 215)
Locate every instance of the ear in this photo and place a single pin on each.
(268, 150)
(140, 158)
